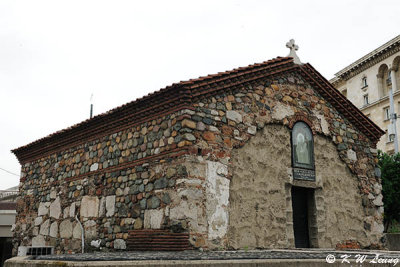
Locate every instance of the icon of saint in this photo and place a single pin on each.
(302, 149)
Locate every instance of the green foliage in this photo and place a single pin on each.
(394, 228)
(390, 173)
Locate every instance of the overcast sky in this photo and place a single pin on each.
(55, 54)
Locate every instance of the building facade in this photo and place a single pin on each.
(265, 156)
(7, 221)
(366, 83)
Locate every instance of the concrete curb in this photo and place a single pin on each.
(26, 262)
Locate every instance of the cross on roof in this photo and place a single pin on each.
(291, 45)
(293, 48)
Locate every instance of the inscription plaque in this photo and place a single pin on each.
(303, 174)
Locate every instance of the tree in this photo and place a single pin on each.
(390, 174)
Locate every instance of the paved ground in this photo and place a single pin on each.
(219, 255)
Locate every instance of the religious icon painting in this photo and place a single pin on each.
(302, 150)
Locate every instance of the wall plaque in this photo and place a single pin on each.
(304, 174)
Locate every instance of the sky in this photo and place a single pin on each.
(55, 54)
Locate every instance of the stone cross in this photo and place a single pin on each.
(293, 48)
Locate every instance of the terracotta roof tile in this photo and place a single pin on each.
(180, 95)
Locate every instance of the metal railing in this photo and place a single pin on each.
(7, 193)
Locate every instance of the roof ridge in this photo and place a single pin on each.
(179, 96)
(148, 97)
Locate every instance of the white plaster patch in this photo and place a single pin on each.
(94, 167)
(55, 208)
(195, 194)
(35, 231)
(77, 232)
(196, 170)
(281, 111)
(65, 229)
(351, 155)
(183, 211)
(89, 207)
(189, 181)
(90, 229)
(217, 200)
(110, 206)
(153, 219)
(378, 200)
(234, 116)
(102, 207)
(324, 124)
(252, 130)
(53, 229)
(377, 227)
(53, 194)
(72, 210)
(66, 212)
(95, 243)
(38, 241)
(43, 208)
(377, 188)
(45, 227)
(38, 220)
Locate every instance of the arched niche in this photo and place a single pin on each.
(395, 67)
(384, 81)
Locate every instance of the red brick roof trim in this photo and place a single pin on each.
(172, 98)
(180, 96)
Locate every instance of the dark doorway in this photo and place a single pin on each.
(300, 204)
(5, 249)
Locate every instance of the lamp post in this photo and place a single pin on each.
(91, 106)
(392, 131)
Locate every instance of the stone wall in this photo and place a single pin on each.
(258, 203)
(176, 171)
(260, 199)
(108, 186)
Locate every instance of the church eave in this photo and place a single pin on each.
(180, 96)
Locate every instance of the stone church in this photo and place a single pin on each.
(264, 156)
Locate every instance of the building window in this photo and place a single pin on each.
(386, 113)
(364, 82)
(302, 152)
(302, 146)
(366, 101)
